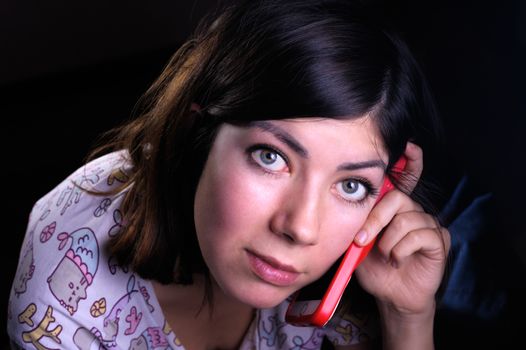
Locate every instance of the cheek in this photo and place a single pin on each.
(338, 231)
(230, 202)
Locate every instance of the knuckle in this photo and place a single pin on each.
(404, 221)
(416, 237)
(374, 222)
(384, 252)
(383, 248)
(398, 223)
(396, 254)
(418, 151)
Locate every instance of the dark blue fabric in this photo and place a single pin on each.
(472, 287)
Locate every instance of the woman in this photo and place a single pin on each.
(256, 161)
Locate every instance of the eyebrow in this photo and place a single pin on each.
(295, 145)
(282, 135)
(377, 163)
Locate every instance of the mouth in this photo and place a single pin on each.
(271, 270)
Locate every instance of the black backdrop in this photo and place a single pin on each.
(70, 71)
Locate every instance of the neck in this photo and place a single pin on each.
(200, 324)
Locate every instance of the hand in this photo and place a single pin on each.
(404, 269)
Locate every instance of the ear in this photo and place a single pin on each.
(194, 107)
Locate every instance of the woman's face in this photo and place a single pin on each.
(279, 201)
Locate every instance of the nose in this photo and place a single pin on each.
(297, 218)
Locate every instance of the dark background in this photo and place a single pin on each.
(71, 70)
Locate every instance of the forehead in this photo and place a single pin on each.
(357, 137)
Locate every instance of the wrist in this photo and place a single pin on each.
(407, 330)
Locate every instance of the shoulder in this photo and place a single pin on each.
(80, 200)
(100, 174)
(66, 283)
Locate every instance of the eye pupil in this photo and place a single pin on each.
(350, 186)
(268, 157)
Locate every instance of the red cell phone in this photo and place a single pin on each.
(309, 309)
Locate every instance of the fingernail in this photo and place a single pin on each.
(361, 237)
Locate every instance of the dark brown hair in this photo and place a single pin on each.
(260, 59)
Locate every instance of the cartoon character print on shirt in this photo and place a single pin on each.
(45, 207)
(274, 333)
(118, 175)
(124, 314)
(167, 330)
(113, 265)
(118, 221)
(153, 338)
(102, 208)
(75, 272)
(72, 193)
(312, 342)
(44, 330)
(26, 268)
(86, 340)
(350, 328)
(269, 330)
(47, 232)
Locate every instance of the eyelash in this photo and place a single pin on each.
(371, 190)
(264, 147)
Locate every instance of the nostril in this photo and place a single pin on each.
(289, 237)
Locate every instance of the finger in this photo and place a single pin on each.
(427, 242)
(382, 213)
(399, 227)
(446, 238)
(414, 166)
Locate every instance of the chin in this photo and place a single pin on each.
(258, 302)
(259, 295)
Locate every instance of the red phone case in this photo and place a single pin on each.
(319, 314)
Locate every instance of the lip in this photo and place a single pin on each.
(271, 270)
